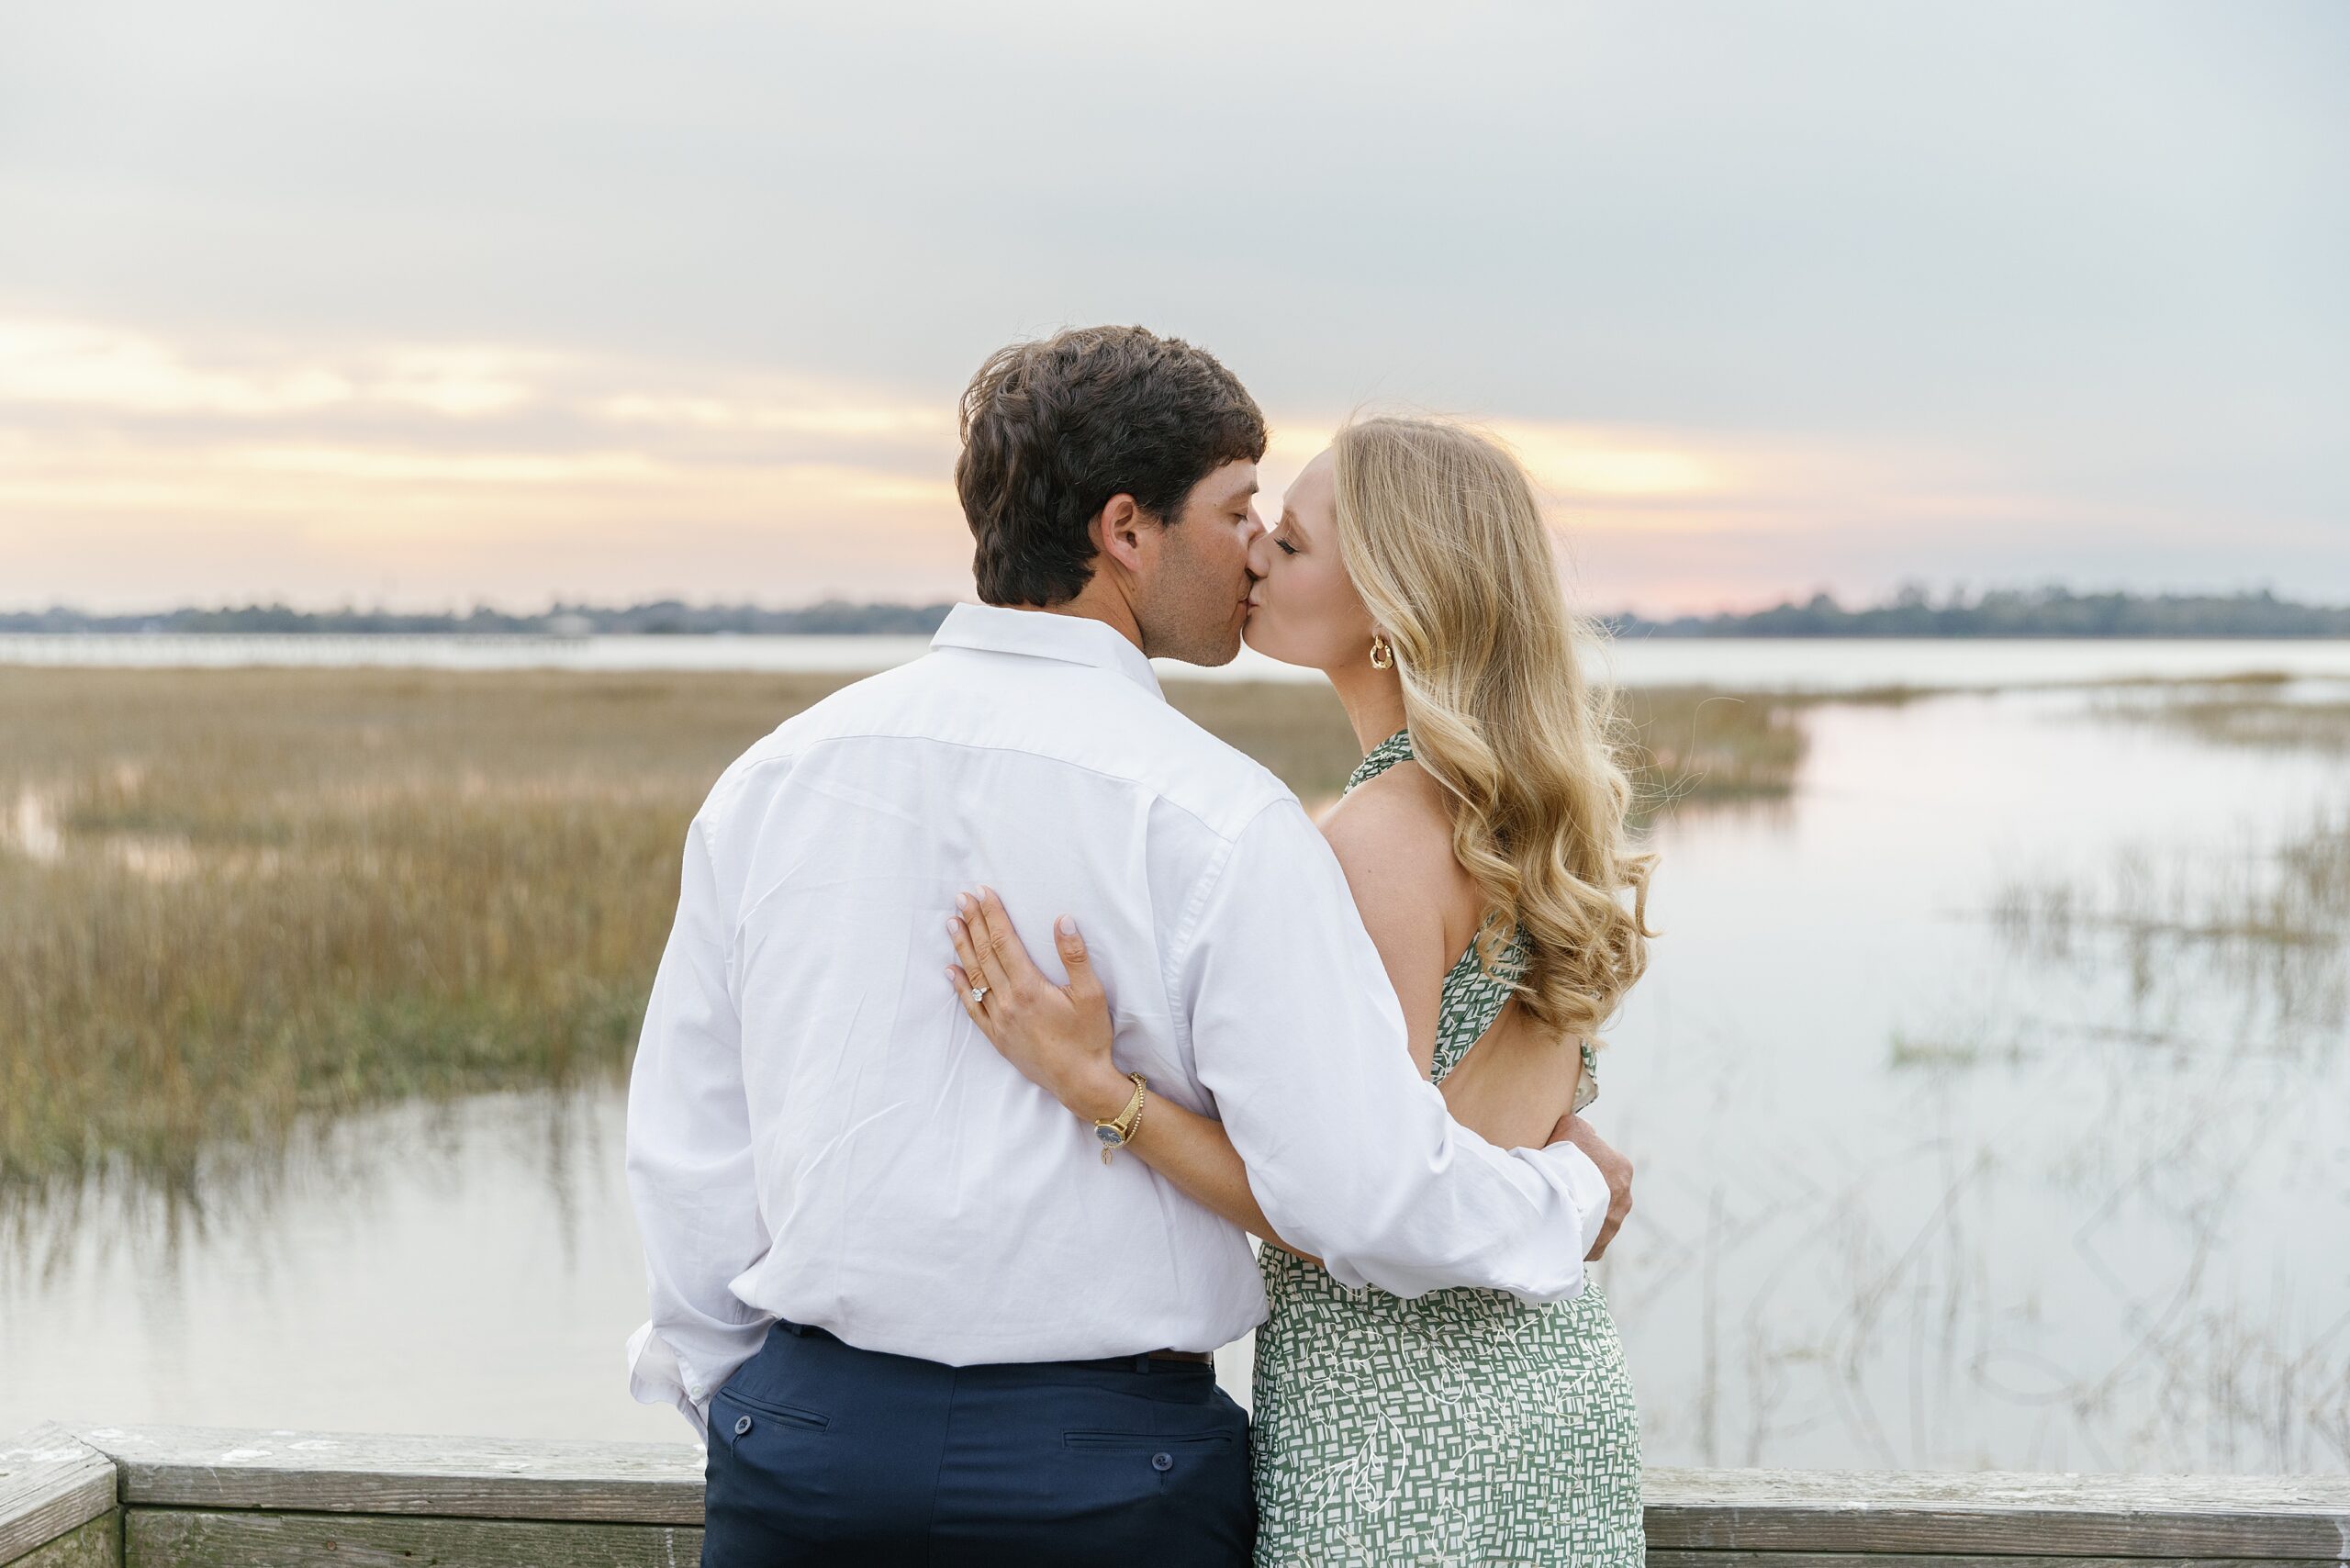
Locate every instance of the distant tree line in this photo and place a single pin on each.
(2017, 612)
(2006, 612)
(666, 617)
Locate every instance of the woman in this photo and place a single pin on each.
(1484, 838)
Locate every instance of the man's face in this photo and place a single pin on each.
(1194, 600)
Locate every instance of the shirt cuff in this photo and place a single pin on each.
(655, 1376)
(1572, 1173)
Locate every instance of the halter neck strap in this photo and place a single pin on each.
(1395, 748)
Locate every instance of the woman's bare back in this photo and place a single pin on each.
(1393, 835)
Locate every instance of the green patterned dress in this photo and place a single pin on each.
(1463, 1426)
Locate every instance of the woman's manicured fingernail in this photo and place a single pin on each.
(963, 903)
(954, 926)
(1066, 926)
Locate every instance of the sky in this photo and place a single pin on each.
(433, 304)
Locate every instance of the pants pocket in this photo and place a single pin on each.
(774, 1410)
(1170, 1441)
(1167, 1463)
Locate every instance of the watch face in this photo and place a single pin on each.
(1109, 1136)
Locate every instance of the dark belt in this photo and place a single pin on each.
(1206, 1357)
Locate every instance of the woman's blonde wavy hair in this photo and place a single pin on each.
(1441, 532)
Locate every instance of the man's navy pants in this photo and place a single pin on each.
(824, 1453)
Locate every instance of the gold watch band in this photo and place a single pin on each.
(1118, 1132)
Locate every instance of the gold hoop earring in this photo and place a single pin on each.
(1383, 657)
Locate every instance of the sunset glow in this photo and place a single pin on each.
(1767, 305)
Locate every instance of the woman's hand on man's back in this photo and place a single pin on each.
(1573, 1129)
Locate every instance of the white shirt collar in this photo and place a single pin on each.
(1041, 633)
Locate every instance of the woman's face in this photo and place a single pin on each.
(1306, 611)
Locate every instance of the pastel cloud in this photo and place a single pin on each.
(376, 299)
(141, 469)
(170, 470)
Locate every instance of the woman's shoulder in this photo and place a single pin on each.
(1400, 808)
(1394, 833)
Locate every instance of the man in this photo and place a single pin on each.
(918, 1319)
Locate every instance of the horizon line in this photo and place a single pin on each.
(1958, 596)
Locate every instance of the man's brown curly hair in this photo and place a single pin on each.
(1052, 429)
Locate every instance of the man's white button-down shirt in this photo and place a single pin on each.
(816, 1131)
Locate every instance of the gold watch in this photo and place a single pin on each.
(1119, 1130)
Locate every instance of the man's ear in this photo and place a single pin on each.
(1119, 531)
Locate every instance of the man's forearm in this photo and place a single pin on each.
(1197, 1154)
(1432, 1206)
(1348, 1149)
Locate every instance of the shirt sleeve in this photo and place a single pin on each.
(1351, 1153)
(690, 1174)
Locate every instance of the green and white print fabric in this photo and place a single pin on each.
(1463, 1426)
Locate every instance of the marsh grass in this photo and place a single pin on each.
(2275, 918)
(2265, 711)
(230, 900)
(1682, 744)
(1701, 743)
(1906, 1050)
(2273, 922)
(2271, 723)
(233, 897)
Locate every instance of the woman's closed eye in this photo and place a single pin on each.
(1286, 547)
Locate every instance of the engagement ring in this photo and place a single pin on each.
(979, 994)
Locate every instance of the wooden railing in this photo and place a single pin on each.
(180, 1497)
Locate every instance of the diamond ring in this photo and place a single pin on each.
(979, 994)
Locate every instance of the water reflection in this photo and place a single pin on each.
(1918, 1192)
(1987, 1096)
(462, 1267)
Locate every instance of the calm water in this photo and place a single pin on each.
(1756, 664)
(1967, 1135)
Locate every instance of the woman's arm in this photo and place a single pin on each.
(1060, 1037)
(1393, 852)
(1190, 1150)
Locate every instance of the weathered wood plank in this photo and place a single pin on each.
(2229, 1517)
(96, 1544)
(351, 1472)
(2015, 1517)
(169, 1538)
(51, 1483)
